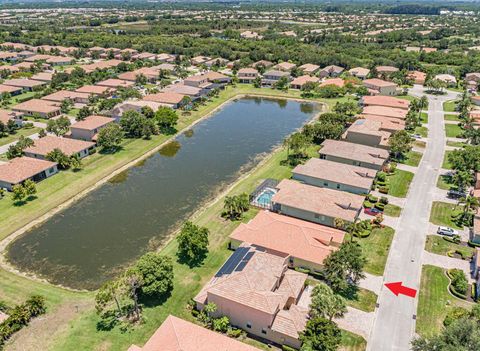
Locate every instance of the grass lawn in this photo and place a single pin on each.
(399, 183)
(445, 163)
(449, 106)
(352, 342)
(392, 210)
(423, 131)
(434, 301)
(442, 214)
(424, 117)
(453, 131)
(19, 132)
(376, 247)
(444, 182)
(450, 117)
(412, 158)
(420, 144)
(438, 245)
(21, 97)
(364, 300)
(79, 329)
(456, 143)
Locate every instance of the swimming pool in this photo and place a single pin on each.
(264, 199)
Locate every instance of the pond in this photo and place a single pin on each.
(134, 212)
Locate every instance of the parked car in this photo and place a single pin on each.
(416, 136)
(446, 231)
(455, 194)
(372, 211)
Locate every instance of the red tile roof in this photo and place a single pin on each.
(22, 168)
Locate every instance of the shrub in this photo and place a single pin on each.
(372, 198)
(367, 204)
(381, 177)
(384, 189)
(459, 281)
(380, 206)
(235, 332)
(287, 348)
(384, 200)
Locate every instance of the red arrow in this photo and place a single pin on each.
(397, 288)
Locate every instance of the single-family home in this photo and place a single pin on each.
(24, 83)
(367, 132)
(165, 98)
(43, 77)
(96, 90)
(475, 230)
(217, 78)
(472, 80)
(385, 71)
(386, 101)
(284, 66)
(335, 175)
(306, 244)
(353, 154)
(165, 57)
(6, 116)
(388, 124)
(262, 63)
(88, 128)
(198, 60)
(448, 79)
(391, 112)
(360, 72)
(8, 56)
(9, 69)
(150, 73)
(330, 71)
(144, 56)
(193, 93)
(316, 204)
(417, 77)
(475, 100)
(70, 147)
(339, 82)
(377, 86)
(115, 83)
(248, 34)
(219, 62)
(38, 107)
(7, 89)
(259, 294)
(247, 75)
(133, 105)
(61, 95)
(309, 68)
(176, 334)
(19, 169)
(60, 60)
(270, 78)
(299, 82)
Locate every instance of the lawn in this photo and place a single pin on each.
(442, 214)
(453, 131)
(53, 191)
(424, 117)
(399, 183)
(420, 144)
(19, 132)
(444, 182)
(376, 247)
(352, 342)
(392, 210)
(449, 106)
(450, 117)
(364, 300)
(434, 301)
(423, 131)
(438, 245)
(446, 164)
(411, 158)
(456, 143)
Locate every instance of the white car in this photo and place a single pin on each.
(446, 231)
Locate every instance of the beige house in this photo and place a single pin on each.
(388, 124)
(88, 128)
(334, 175)
(247, 75)
(19, 169)
(42, 108)
(259, 294)
(169, 99)
(386, 101)
(133, 105)
(309, 69)
(367, 132)
(330, 71)
(61, 95)
(359, 72)
(299, 82)
(385, 111)
(270, 78)
(284, 66)
(353, 154)
(70, 147)
(377, 86)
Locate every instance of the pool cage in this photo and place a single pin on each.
(267, 185)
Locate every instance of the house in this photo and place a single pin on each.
(25, 54)
(38, 57)
(19, 169)
(60, 60)
(217, 78)
(309, 68)
(386, 101)
(115, 83)
(43, 77)
(353, 154)
(476, 269)
(472, 80)
(169, 99)
(25, 84)
(388, 124)
(306, 244)
(417, 77)
(96, 90)
(299, 82)
(6, 116)
(247, 75)
(367, 132)
(198, 81)
(133, 105)
(284, 66)
(259, 294)
(193, 93)
(248, 34)
(339, 82)
(359, 72)
(7, 89)
(9, 69)
(144, 56)
(166, 67)
(152, 74)
(316, 204)
(176, 334)
(334, 175)
(475, 100)
(25, 66)
(330, 71)
(8, 56)
(386, 70)
(270, 78)
(165, 58)
(219, 62)
(198, 60)
(262, 63)
(377, 86)
(61, 95)
(391, 112)
(448, 79)
(88, 128)
(70, 147)
(38, 107)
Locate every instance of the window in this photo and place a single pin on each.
(264, 331)
(323, 157)
(325, 184)
(338, 186)
(249, 325)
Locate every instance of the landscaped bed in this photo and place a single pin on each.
(446, 164)
(442, 246)
(445, 182)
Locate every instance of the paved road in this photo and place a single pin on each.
(394, 325)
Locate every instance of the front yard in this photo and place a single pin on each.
(392, 210)
(444, 182)
(453, 131)
(450, 117)
(449, 106)
(446, 164)
(411, 158)
(443, 214)
(399, 182)
(440, 246)
(423, 131)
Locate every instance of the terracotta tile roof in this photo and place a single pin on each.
(175, 334)
(60, 59)
(291, 322)
(6, 115)
(183, 89)
(94, 89)
(323, 201)
(386, 69)
(8, 89)
(369, 127)
(165, 97)
(378, 83)
(294, 237)
(92, 122)
(385, 111)
(61, 95)
(36, 105)
(43, 76)
(354, 151)
(285, 66)
(309, 67)
(68, 146)
(337, 172)
(247, 71)
(360, 71)
(115, 83)
(303, 79)
(212, 76)
(386, 101)
(339, 82)
(388, 123)
(22, 168)
(23, 83)
(12, 69)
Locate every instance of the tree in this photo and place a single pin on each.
(320, 334)
(234, 206)
(57, 155)
(465, 159)
(30, 187)
(166, 119)
(133, 283)
(75, 162)
(140, 79)
(348, 108)
(83, 113)
(108, 293)
(110, 137)
(462, 179)
(282, 84)
(470, 206)
(297, 143)
(400, 143)
(42, 133)
(192, 242)
(325, 303)
(17, 149)
(19, 193)
(320, 131)
(59, 126)
(66, 105)
(156, 273)
(344, 267)
(137, 125)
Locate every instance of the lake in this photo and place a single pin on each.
(94, 239)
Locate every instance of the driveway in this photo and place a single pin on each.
(394, 325)
(357, 321)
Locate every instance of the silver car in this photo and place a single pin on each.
(446, 231)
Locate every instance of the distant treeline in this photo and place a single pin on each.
(414, 9)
